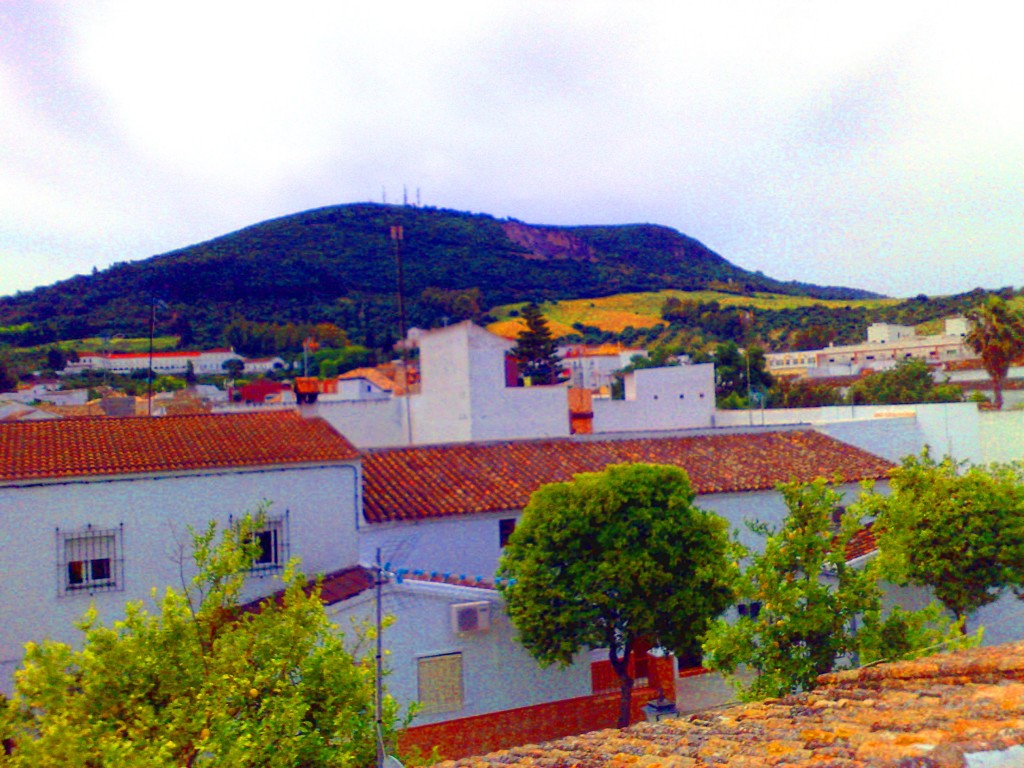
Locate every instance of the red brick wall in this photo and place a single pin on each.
(526, 725)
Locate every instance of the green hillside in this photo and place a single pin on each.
(338, 265)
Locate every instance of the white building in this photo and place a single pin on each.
(209, 362)
(886, 345)
(97, 511)
(454, 667)
(468, 393)
(594, 367)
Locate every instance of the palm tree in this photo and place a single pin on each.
(997, 335)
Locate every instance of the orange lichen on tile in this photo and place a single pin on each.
(901, 714)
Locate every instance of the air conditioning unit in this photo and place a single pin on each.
(471, 617)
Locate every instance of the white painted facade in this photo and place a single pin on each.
(889, 431)
(207, 362)
(594, 368)
(151, 514)
(463, 395)
(496, 671)
(675, 397)
(886, 345)
(463, 398)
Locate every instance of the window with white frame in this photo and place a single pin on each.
(440, 683)
(273, 540)
(90, 560)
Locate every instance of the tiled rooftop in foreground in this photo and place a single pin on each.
(66, 448)
(465, 478)
(930, 713)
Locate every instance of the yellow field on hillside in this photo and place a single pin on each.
(643, 310)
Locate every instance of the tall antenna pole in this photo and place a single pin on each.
(380, 665)
(397, 236)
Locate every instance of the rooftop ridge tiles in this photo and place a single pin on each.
(465, 478)
(105, 446)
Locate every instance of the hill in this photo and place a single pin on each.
(338, 265)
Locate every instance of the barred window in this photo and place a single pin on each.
(273, 541)
(90, 560)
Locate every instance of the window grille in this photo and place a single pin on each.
(274, 541)
(90, 560)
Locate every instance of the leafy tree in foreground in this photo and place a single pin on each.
(612, 557)
(997, 335)
(536, 349)
(200, 682)
(958, 531)
(802, 602)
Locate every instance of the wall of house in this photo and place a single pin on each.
(497, 672)
(1001, 435)
(366, 423)
(463, 395)
(889, 431)
(155, 513)
(468, 545)
(676, 397)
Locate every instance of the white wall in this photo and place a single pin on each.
(1002, 435)
(366, 423)
(889, 431)
(155, 513)
(468, 544)
(675, 397)
(498, 673)
(463, 396)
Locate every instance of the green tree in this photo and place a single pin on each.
(997, 335)
(8, 378)
(536, 349)
(910, 381)
(233, 367)
(739, 373)
(56, 360)
(955, 529)
(612, 557)
(200, 682)
(800, 601)
(796, 623)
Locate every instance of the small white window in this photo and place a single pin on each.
(273, 541)
(90, 560)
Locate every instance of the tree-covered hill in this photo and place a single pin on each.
(337, 265)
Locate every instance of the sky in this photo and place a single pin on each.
(877, 145)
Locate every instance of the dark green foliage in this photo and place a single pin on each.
(739, 375)
(958, 530)
(612, 557)
(336, 265)
(997, 335)
(909, 382)
(810, 602)
(536, 350)
(803, 393)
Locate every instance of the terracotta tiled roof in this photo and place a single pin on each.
(51, 449)
(458, 479)
(861, 543)
(930, 712)
(335, 587)
(372, 375)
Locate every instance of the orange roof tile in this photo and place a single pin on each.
(65, 448)
(458, 479)
(929, 712)
(373, 375)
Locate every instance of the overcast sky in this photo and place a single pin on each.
(874, 145)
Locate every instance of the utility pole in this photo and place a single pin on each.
(397, 236)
